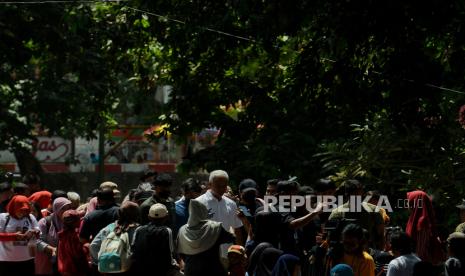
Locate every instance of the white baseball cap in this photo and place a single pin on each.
(158, 210)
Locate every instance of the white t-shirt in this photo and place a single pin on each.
(403, 265)
(15, 251)
(223, 211)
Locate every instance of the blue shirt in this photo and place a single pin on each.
(182, 213)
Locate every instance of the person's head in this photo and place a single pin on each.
(158, 214)
(353, 239)
(148, 176)
(271, 187)
(60, 205)
(6, 191)
(341, 270)
(113, 186)
(71, 219)
(58, 193)
(105, 197)
(287, 187)
(75, 199)
(456, 245)
(191, 188)
(42, 198)
(162, 185)
(353, 187)
(388, 231)
(22, 189)
(375, 195)
(401, 244)
(461, 208)
(19, 207)
(128, 213)
(237, 256)
(218, 181)
(248, 191)
(141, 196)
(33, 181)
(325, 186)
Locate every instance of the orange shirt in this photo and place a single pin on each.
(362, 265)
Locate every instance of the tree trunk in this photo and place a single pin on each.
(27, 162)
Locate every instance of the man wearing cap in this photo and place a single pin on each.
(461, 226)
(162, 186)
(105, 213)
(112, 186)
(153, 243)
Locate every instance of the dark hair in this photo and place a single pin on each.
(306, 190)
(191, 185)
(105, 194)
(353, 230)
(31, 178)
(163, 179)
(401, 242)
(324, 184)
(351, 186)
(58, 193)
(93, 193)
(286, 186)
(272, 182)
(132, 193)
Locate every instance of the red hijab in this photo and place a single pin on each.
(422, 229)
(43, 198)
(18, 202)
(422, 216)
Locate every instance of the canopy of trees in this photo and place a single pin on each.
(368, 89)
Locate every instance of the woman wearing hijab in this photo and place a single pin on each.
(199, 242)
(72, 259)
(267, 261)
(422, 229)
(287, 265)
(42, 199)
(17, 226)
(47, 244)
(255, 256)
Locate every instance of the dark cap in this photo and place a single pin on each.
(462, 205)
(248, 185)
(163, 179)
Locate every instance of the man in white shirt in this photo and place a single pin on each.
(405, 260)
(221, 208)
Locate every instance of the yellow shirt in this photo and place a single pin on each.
(362, 265)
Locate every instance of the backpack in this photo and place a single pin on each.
(114, 255)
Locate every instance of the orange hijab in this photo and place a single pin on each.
(18, 202)
(43, 198)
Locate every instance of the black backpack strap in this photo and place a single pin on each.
(6, 222)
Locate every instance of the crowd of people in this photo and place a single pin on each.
(211, 231)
